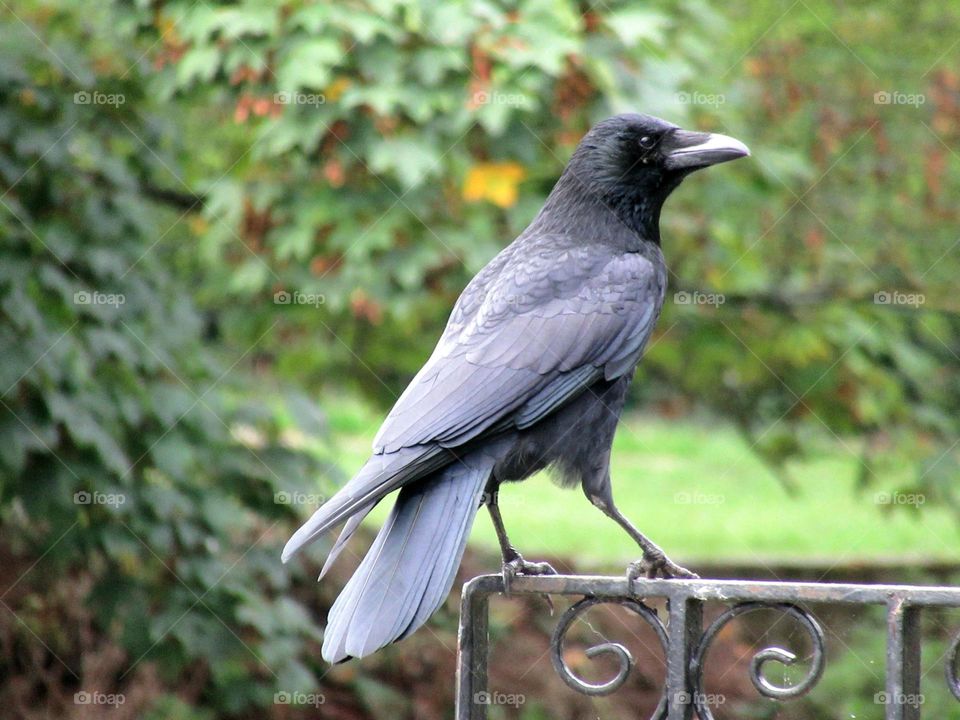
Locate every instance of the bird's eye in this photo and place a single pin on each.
(647, 142)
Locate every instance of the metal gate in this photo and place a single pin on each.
(685, 641)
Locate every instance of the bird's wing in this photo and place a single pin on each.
(526, 338)
(535, 328)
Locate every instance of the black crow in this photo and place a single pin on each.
(531, 371)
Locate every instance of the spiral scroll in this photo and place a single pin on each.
(622, 653)
(759, 680)
(953, 657)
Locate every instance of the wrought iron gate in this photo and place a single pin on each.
(685, 642)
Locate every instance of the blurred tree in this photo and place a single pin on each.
(835, 257)
(383, 150)
(200, 201)
(134, 462)
(380, 153)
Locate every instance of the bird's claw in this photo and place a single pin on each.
(519, 566)
(656, 564)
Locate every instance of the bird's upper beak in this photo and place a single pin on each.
(694, 150)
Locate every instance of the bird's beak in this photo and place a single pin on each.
(693, 150)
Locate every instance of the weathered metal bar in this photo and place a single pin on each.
(686, 643)
(472, 651)
(685, 618)
(728, 590)
(902, 696)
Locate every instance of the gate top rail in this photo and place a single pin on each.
(686, 643)
(720, 590)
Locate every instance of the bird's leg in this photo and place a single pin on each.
(654, 562)
(513, 562)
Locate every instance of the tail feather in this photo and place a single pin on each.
(381, 475)
(348, 530)
(409, 569)
(441, 580)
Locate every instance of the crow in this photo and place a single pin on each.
(531, 372)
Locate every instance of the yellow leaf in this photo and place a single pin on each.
(198, 224)
(334, 90)
(496, 182)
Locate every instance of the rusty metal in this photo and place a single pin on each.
(619, 651)
(686, 645)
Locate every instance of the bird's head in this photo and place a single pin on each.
(633, 162)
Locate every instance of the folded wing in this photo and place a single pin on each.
(524, 338)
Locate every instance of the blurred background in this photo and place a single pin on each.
(230, 234)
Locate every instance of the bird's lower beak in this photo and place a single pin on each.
(694, 150)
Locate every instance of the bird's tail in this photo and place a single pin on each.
(409, 569)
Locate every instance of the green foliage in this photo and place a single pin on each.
(381, 153)
(363, 125)
(134, 459)
(836, 255)
(853, 683)
(202, 202)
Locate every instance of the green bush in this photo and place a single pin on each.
(138, 469)
(203, 205)
(380, 153)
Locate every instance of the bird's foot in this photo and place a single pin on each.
(518, 566)
(656, 564)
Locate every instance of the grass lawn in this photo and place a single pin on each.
(697, 491)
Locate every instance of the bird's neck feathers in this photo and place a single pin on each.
(607, 209)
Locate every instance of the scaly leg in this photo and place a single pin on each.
(654, 562)
(513, 562)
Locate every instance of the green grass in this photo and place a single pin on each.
(698, 491)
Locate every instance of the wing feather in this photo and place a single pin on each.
(526, 342)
